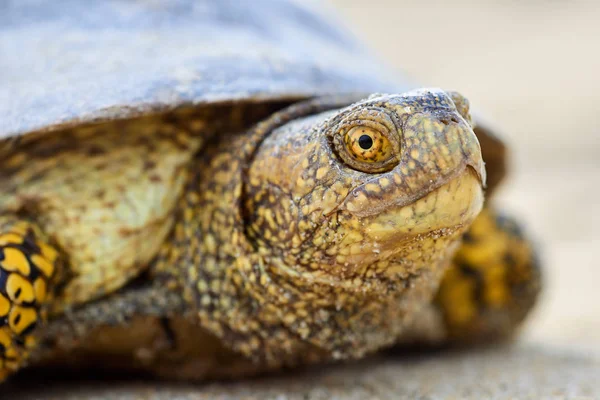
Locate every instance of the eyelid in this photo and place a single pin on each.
(377, 119)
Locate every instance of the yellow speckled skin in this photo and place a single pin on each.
(321, 233)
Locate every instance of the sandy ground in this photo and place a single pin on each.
(521, 372)
(533, 69)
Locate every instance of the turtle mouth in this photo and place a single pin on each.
(450, 206)
(400, 199)
(480, 172)
(444, 212)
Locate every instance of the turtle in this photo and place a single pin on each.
(202, 190)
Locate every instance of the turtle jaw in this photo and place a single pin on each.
(452, 206)
(409, 239)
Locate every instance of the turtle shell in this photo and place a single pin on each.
(72, 61)
(68, 62)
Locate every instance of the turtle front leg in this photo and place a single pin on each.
(28, 268)
(493, 282)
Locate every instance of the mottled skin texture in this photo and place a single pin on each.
(322, 233)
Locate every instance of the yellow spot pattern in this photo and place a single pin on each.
(15, 260)
(27, 266)
(46, 267)
(19, 290)
(10, 238)
(21, 318)
(40, 288)
(4, 306)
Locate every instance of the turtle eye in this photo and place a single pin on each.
(367, 145)
(367, 140)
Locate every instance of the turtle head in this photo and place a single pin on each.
(371, 195)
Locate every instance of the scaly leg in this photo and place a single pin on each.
(28, 271)
(493, 282)
(147, 328)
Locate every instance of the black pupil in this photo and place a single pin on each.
(365, 142)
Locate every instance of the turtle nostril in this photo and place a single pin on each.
(449, 120)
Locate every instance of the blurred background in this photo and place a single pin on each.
(533, 69)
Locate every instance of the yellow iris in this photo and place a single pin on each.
(366, 144)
